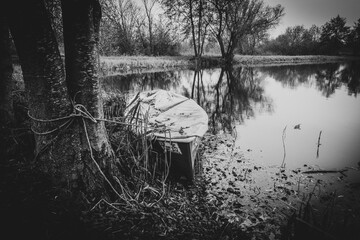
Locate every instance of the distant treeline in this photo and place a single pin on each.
(217, 27)
(213, 26)
(130, 28)
(196, 27)
(333, 38)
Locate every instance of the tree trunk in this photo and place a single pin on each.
(193, 27)
(6, 71)
(44, 78)
(199, 27)
(148, 8)
(221, 45)
(229, 55)
(81, 36)
(61, 146)
(41, 64)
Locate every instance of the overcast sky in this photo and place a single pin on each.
(318, 12)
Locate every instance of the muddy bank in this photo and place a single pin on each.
(146, 64)
(270, 202)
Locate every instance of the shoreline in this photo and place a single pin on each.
(242, 189)
(113, 65)
(249, 60)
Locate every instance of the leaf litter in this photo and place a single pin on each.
(262, 200)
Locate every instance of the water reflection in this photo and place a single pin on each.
(257, 103)
(327, 77)
(141, 82)
(228, 95)
(237, 92)
(323, 99)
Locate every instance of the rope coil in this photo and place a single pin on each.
(79, 111)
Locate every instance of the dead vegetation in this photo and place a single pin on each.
(137, 64)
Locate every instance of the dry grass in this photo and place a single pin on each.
(135, 64)
(250, 60)
(112, 65)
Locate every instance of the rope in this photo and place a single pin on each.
(78, 111)
(96, 164)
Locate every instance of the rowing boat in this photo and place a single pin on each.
(175, 125)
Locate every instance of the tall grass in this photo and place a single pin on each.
(321, 216)
(143, 171)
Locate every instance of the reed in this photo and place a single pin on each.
(143, 172)
(319, 215)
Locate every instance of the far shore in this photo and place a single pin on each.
(111, 65)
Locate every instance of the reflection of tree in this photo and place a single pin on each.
(231, 99)
(351, 77)
(235, 92)
(329, 77)
(292, 76)
(337, 75)
(141, 82)
(198, 86)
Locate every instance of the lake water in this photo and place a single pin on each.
(273, 110)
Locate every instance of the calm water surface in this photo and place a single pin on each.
(272, 109)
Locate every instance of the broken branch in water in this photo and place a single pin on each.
(325, 171)
(318, 145)
(283, 141)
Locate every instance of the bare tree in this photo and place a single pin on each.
(192, 16)
(149, 5)
(231, 20)
(120, 25)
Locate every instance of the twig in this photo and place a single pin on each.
(318, 145)
(283, 141)
(325, 171)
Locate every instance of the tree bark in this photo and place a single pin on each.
(193, 28)
(44, 78)
(6, 71)
(148, 9)
(200, 10)
(221, 45)
(81, 20)
(63, 153)
(41, 64)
